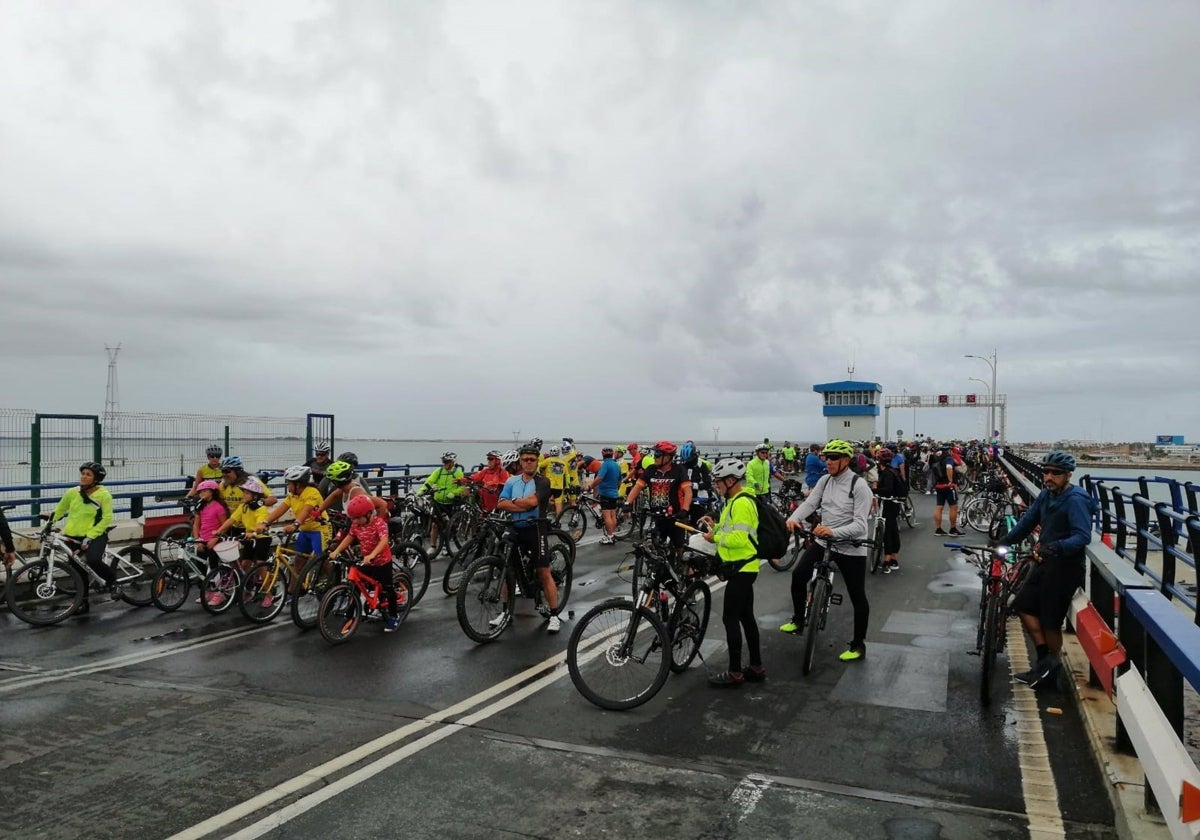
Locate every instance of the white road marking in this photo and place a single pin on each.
(746, 795)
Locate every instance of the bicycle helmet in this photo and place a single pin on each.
(606, 452)
(554, 452)
(360, 506)
(449, 456)
(619, 452)
(214, 452)
(495, 453)
(633, 447)
(322, 448)
(99, 472)
(529, 449)
(339, 472)
(664, 447)
(1059, 460)
(838, 447)
(568, 446)
(884, 454)
(687, 451)
(231, 462)
(298, 473)
(254, 486)
(536, 443)
(729, 468)
(208, 484)
(509, 458)
(349, 457)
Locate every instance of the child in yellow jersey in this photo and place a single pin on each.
(303, 500)
(248, 515)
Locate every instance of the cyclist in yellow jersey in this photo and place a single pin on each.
(233, 476)
(303, 500)
(252, 511)
(554, 468)
(210, 470)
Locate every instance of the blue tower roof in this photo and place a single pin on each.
(848, 385)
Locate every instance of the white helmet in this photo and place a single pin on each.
(567, 446)
(554, 451)
(509, 458)
(729, 468)
(299, 473)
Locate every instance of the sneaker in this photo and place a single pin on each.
(954, 532)
(939, 532)
(268, 601)
(498, 621)
(392, 624)
(1043, 674)
(215, 599)
(891, 566)
(726, 679)
(755, 673)
(854, 653)
(84, 608)
(554, 624)
(790, 627)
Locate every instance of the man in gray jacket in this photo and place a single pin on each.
(844, 501)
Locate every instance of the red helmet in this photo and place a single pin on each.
(360, 506)
(633, 447)
(664, 447)
(884, 454)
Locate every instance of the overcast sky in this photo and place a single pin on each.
(603, 219)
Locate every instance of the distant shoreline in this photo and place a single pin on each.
(1100, 466)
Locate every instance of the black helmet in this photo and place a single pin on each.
(97, 470)
(349, 457)
(530, 449)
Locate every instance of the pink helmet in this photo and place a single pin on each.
(208, 484)
(254, 486)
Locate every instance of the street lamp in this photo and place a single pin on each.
(992, 364)
(989, 393)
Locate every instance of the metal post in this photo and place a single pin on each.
(35, 463)
(227, 452)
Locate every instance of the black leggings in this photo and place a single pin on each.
(891, 527)
(94, 556)
(738, 617)
(854, 573)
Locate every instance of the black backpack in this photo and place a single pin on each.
(771, 541)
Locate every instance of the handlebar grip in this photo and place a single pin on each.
(954, 545)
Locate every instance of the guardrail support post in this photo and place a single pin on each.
(1132, 636)
(1141, 517)
(1166, 685)
(136, 506)
(1122, 527)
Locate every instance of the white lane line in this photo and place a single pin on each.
(746, 795)
(1037, 778)
(124, 661)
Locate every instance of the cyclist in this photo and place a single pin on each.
(10, 550)
(443, 482)
(320, 460)
(343, 486)
(814, 466)
(370, 531)
(303, 500)
(700, 475)
(253, 509)
(554, 468)
(209, 516)
(891, 484)
(210, 470)
(607, 484)
(509, 460)
(759, 471)
(88, 509)
(491, 478)
(844, 516)
(734, 536)
(233, 476)
(670, 494)
(1064, 513)
(945, 485)
(527, 496)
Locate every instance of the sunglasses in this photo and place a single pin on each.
(529, 460)
(831, 456)
(1052, 471)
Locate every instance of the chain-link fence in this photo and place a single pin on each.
(15, 427)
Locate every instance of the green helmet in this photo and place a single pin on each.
(339, 472)
(834, 447)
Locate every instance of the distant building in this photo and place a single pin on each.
(850, 409)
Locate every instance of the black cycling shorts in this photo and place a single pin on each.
(609, 504)
(665, 525)
(1047, 593)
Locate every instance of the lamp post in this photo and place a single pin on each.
(989, 393)
(992, 364)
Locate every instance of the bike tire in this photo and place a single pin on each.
(573, 521)
(317, 577)
(980, 515)
(224, 582)
(169, 589)
(263, 592)
(991, 618)
(34, 599)
(877, 547)
(452, 578)
(405, 599)
(688, 624)
(167, 548)
(628, 665)
(460, 528)
(340, 614)
(486, 593)
(812, 624)
(624, 526)
(562, 570)
(412, 560)
(787, 560)
(909, 512)
(138, 591)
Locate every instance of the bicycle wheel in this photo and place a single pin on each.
(991, 618)
(573, 521)
(980, 514)
(404, 595)
(812, 621)
(617, 655)
(624, 527)
(42, 597)
(787, 560)
(877, 546)
(452, 578)
(562, 570)
(340, 613)
(219, 589)
(167, 547)
(136, 568)
(263, 591)
(169, 589)
(485, 599)
(463, 525)
(688, 624)
(411, 559)
(316, 578)
(909, 512)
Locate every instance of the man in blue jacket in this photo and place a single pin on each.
(814, 466)
(1064, 513)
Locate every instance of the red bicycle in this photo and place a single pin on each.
(344, 606)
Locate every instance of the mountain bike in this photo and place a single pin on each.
(486, 596)
(51, 588)
(820, 593)
(344, 605)
(416, 513)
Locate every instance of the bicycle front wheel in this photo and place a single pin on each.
(219, 589)
(339, 614)
(485, 599)
(135, 568)
(40, 595)
(688, 624)
(316, 578)
(169, 589)
(991, 644)
(263, 592)
(816, 605)
(411, 559)
(617, 655)
(909, 513)
(573, 521)
(877, 547)
(561, 570)
(452, 577)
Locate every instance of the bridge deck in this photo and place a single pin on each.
(136, 723)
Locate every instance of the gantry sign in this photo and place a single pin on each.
(999, 405)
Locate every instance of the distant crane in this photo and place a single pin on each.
(111, 430)
(716, 434)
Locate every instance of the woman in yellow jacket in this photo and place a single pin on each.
(735, 538)
(89, 512)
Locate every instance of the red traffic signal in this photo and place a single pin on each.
(970, 399)
(943, 399)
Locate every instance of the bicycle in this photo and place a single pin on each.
(417, 513)
(820, 593)
(170, 539)
(486, 596)
(575, 518)
(876, 527)
(51, 588)
(170, 587)
(344, 605)
(630, 662)
(1002, 578)
(268, 584)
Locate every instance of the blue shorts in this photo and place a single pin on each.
(946, 496)
(308, 542)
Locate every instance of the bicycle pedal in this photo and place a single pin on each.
(835, 598)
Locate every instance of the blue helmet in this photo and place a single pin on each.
(1059, 459)
(231, 462)
(687, 451)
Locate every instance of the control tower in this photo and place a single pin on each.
(850, 409)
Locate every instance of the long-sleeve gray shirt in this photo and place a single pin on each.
(845, 516)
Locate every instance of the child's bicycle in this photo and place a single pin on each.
(170, 587)
(344, 605)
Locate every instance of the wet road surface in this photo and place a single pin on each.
(135, 723)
